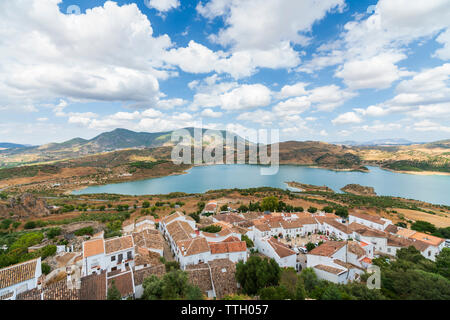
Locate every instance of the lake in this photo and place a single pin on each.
(429, 188)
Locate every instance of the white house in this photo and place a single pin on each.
(272, 248)
(330, 261)
(19, 278)
(372, 222)
(177, 216)
(110, 255)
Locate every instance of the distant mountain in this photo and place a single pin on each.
(379, 142)
(117, 139)
(7, 145)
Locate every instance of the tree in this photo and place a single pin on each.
(211, 229)
(224, 207)
(195, 216)
(275, 293)
(423, 226)
(342, 212)
(257, 273)
(312, 209)
(113, 292)
(309, 279)
(269, 203)
(45, 267)
(243, 208)
(310, 246)
(332, 292)
(173, 286)
(328, 209)
(145, 204)
(300, 292)
(248, 241)
(443, 263)
(289, 279)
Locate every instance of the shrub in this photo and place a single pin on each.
(45, 268)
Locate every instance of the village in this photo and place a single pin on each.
(339, 250)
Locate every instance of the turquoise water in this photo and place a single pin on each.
(434, 189)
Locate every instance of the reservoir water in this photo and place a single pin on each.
(429, 188)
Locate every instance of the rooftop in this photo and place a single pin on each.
(327, 249)
(281, 249)
(118, 244)
(18, 273)
(329, 269)
(93, 247)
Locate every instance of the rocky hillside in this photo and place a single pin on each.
(24, 206)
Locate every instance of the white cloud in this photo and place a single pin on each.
(209, 113)
(196, 58)
(47, 54)
(152, 113)
(346, 118)
(295, 90)
(292, 106)
(376, 72)
(163, 5)
(263, 24)
(262, 117)
(246, 97)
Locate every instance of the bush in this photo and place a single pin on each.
(423, 226)
(211, 229)
(30, 225)
(45, 268)
(53, 232)
(257, 273)
(312, 209)
(84, 231)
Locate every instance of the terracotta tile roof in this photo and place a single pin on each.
(180, 230)
(281, 249)
(367, 260)
(391, 229)
(123, 282)
(432, 240)
(329, 269)
(141, 274)
(327, 249)
(395, 241)
(231, 239)
(222, 233)
(230, 218)
(405, 232)
(368, 217)
(93, 287)
(227, 247)
(307, 220)
(356, 249)
(93, 247)
(365, 231)
(252, 215)
(167, 219)
(295, 224)
(223, 273)
(146, 257)
(118, 244)
(60, 291)
(210, 207)
(263, 227)
(200, 276)
(218, 274)
(340, 226)
(346, 265)
(18, 273)
(193, 246)
(151, 239)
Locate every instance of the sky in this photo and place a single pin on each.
(329, 70)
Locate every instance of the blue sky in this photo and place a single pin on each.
(332, 70)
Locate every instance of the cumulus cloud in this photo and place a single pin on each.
(347, 118)
(163, 5)
(47, 54)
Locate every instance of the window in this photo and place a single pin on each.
(113, 258)
(113, 269)
(120, 257)
(429, 253)
(129, 255)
